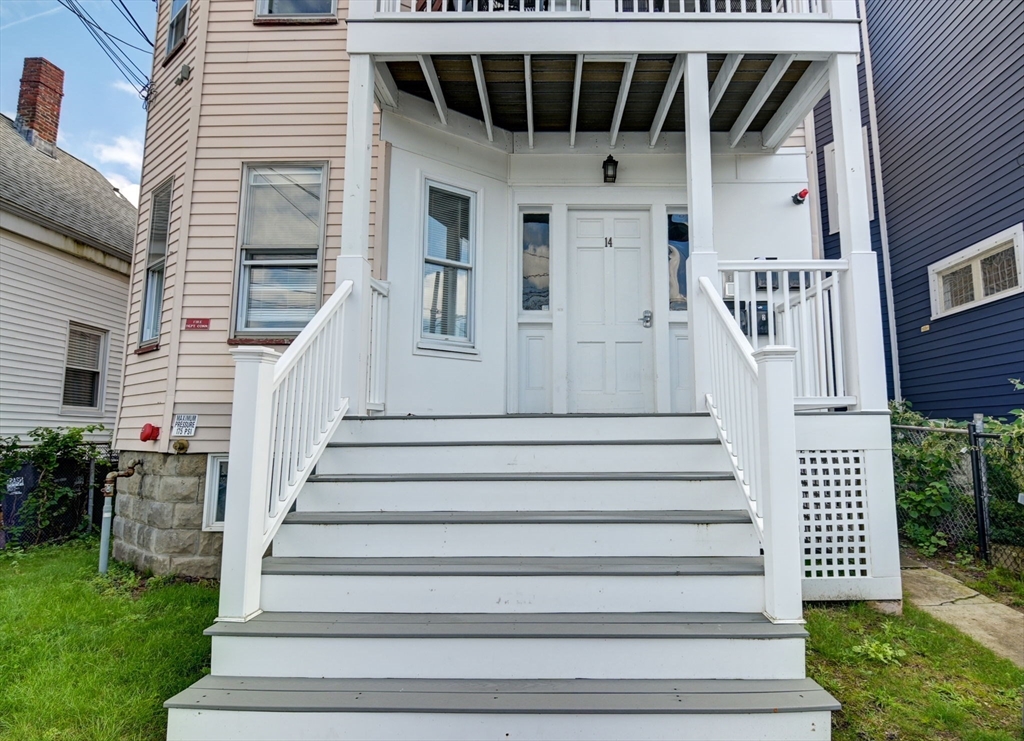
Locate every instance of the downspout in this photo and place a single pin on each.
(880, 193)
(108, 510)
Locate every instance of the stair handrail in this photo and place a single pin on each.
(286, 408)
(751, 402)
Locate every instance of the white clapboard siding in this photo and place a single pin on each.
(41, 291)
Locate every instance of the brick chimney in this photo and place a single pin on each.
(42, 87)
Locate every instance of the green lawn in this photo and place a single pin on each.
(90, 658)
(84, 658)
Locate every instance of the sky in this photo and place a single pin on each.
(102, 120)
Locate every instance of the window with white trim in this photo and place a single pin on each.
(216, 491)
(832, 194)
(295, 8)
(980, 274)
(447, 315)
(83, 367)
(178, 27)
(156, 257)
(282, 238)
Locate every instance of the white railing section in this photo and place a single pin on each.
(750, 399)
(740, 9)
(732, 401)
(377, 363)
(285, 410)
(796, 303)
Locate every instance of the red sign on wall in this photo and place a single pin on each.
(197, 324)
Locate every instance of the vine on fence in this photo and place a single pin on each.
(48, 450)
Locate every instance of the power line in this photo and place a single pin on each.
(123, 10)
(107, 43)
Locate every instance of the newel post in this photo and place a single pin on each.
(245, 511)
(783, 591)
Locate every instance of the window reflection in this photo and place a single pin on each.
(536, 261)
(678, 251)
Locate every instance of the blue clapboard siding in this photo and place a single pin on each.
(949, 92)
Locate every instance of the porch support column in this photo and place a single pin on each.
(353, 262)
(703, 260)
(862, 305)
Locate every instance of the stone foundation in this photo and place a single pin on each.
(158, 523)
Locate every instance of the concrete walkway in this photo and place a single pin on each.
(991, 624)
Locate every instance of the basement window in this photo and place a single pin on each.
(980, 274)
(178, 28)
(216, 497)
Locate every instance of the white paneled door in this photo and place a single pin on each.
(611, 366)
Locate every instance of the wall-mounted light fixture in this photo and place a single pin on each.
(800, 197)
(611, 169)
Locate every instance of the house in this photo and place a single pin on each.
(947, 220)
(66, 239)
(499, 324)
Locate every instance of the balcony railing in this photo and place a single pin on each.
(650, 9)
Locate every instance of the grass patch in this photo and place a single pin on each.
(1001, 585)
(910, 678)
(90, 658)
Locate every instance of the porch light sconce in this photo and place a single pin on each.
(611, 169)
(800, 197)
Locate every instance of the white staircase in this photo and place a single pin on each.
(521, 577)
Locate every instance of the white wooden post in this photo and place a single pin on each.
(703, 260)
(353, 263)
(783, 596)
(245, 512)
(601, 8)
(862, 303)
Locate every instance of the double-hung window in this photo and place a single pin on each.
(295, 8)
(282, 237)
(156, 257)
(178, 27)
(83, 368)
(446, 317)
(987, 271)
(216, 491)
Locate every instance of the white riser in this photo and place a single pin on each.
(618, 539)
(505, 496)
(419, 429)
(203, 725)
(509, 658)
(524, 459)
(503, 594)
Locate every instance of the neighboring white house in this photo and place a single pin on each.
(65, 249)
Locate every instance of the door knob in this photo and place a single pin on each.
(647, 319)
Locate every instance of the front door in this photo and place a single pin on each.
(611, 365)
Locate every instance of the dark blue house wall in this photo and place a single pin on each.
(949, 93)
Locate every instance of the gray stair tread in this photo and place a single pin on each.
(581, 476)
(504, 696)
(524, 443)
(584, 517)
(518, 566)
(489, 625)
(522, 415)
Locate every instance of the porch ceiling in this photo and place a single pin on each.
(553, 78)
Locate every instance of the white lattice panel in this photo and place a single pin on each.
(834, 514)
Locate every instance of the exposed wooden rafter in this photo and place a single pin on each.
(620, 105)
(728, 69)
(578, 82)
(669, 94)
(481, 88)
(427, 65)
(757, 99)
(528, 72)
(794, 109)
(384, 86)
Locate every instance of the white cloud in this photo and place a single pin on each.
(128, 189)
(124, 87)
(124, 151)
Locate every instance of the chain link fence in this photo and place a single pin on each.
(75, 486)
(960, 489)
